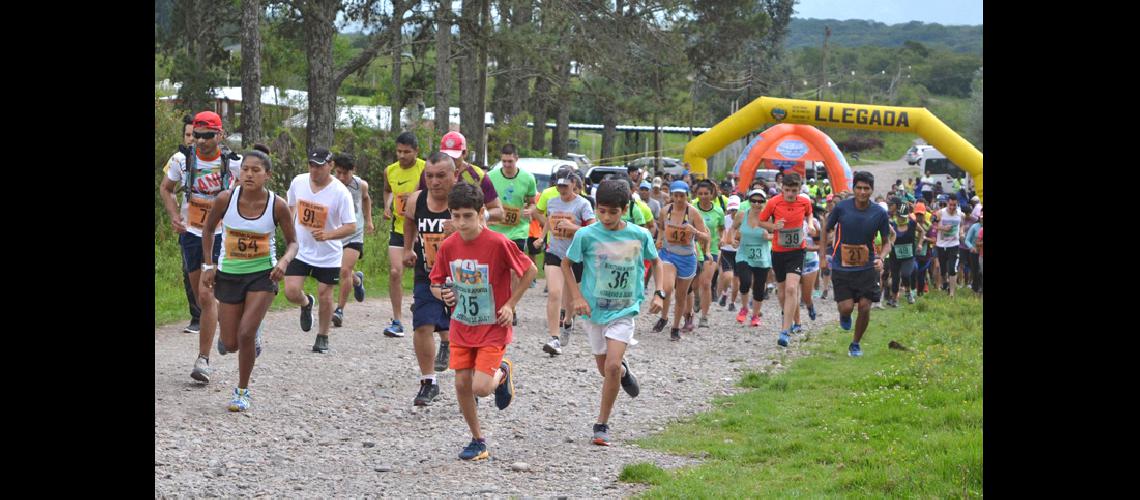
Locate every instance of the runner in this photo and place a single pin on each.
(343, 165)
(728, 257)
(922, 252)
(753, 256)
(788, 213)
(323, 216)
(611, 293)
(453, 144)
(427, 221)
(516, 188)
(191, 301)
(568, 213)
(713, 216)
(677, 250)
(204, 173)
(487, 275)
(971, 241)
(902, 256)
(248, 269)
(811, 269)
(400, 182)
(856, 276)
(949, 236)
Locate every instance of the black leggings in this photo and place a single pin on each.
(901, 269)
(748, 274)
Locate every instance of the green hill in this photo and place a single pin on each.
(857, 33)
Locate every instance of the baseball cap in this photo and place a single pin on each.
(657, 182)
(920, 208)
(319, 156)
(208, 119)
(733, 203)
(453, 144)
(646, 185)
(678, 187)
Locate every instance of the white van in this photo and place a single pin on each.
(542, 168)
(938, 168)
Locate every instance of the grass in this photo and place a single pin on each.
(892, 423)
(170, 296)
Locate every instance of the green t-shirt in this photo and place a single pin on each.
(613, 270)
(640, 215)
(547, 194)
(714, 220)
(514, 194)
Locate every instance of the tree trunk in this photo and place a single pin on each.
(443, 67)
(250, 73)
(470, 121)
(656, 141)
(319, 17)
(609, 132)
(559, 147)
(397, 60)
(539, 111)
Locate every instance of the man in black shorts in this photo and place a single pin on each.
(857, 266)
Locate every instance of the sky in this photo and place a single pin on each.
(947, 12)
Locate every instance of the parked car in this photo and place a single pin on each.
(671, 166)
(584, 163)
(598, 174)
(938, 168)
(542, 168)
(767, 175)
(915, 153)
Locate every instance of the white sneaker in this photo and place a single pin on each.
(201, 370)
(554, 347)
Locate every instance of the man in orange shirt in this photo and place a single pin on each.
(787, 214)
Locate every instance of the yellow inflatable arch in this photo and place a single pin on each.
(835, 114)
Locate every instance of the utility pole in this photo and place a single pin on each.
(823, 64)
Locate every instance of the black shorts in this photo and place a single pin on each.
(556, 261)
(326, 275)
(856, 285)
(530, 250)
(192, 251)
(948, 260)
(359, 247)
(231, 288)
(395, 240)
(727, 260)
(428, 310)
(787, 262)
(521, 244)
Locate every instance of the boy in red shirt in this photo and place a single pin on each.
(479, 262)
(789, 212)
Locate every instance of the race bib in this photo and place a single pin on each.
(614, 285)
(244, 245)
(562, 234)
(755, 253)
(791, 238)
(950, 233)
(853, 255)
(511, 215)
(312, 215)
(676, 234)
(475, 299)
(401, 202)
(197, 211)
(904, 251)
(430, 242)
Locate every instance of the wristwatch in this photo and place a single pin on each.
(660, 293)
(208, 267)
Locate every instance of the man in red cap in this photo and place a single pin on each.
(453, 144)
(206, 171)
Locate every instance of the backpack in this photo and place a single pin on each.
(192, 167)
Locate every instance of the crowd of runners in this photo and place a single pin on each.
(474, 239)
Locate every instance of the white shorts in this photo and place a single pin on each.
(620, 329)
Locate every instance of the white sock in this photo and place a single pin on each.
(429, 377)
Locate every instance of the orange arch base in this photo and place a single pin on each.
(793, 143)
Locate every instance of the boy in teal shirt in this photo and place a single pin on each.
(614, 253)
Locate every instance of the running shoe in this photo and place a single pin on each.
(395, 330)
(475, 451)
(723, 299)
(742, 315)
(796, 329)
(815, 294)
(660, 325)
(811, 312)
(307, 313)
(193, 327)
(783, 342)
(338, 317)
(731, 306)
(221, 346)
(505, 392)
(854, 350)
(358, 290)
(696, 302)
(240, 402)
(442, 356)
(688, 326)
(629, 381)
(566, 329)
(554, 347)
(322, 344)
(703, 323)
(845, 322)
(601, 435)
(755, 320)
(201, 370)
(910, 297)
(675, 334)
(823, 295)
(428, 393)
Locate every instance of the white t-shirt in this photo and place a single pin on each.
(949, 238)
(207, 185)
(333, 204)
(927, 184)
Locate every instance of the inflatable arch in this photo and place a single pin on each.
(833, 114)
(792, 145)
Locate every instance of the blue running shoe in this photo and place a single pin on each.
(505, 392)
(476, 450)
(394, 330)
(240, 402)
(358, 290)
(811, 313)
(845, 322)
(783, 342)
(854, 351)
(797, 329)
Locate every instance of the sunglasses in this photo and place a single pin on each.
(205, 135)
